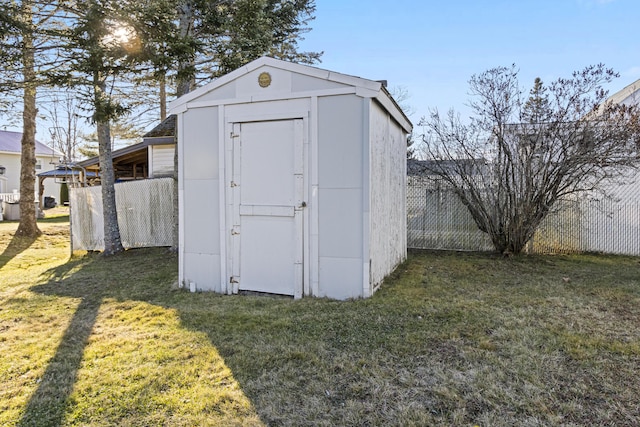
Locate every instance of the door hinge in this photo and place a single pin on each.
(233, 280)
(234, 232)
(233, 184)
(233, 135)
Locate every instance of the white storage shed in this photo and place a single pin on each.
(291, 181)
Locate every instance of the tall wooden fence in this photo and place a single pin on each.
(145, 214)
(437, 219)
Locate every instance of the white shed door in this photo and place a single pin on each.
(268, 190)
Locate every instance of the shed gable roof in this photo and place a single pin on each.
(286, 78)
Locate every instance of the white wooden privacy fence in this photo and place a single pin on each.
(437, 219)
(145, 214)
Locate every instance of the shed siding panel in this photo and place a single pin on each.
(203, 270)
(248, 85)
(200, 144)
(227, 91)
(340, 141)
(162, 160)
(340, 278)
(340, 222)
(201, 208)
(340, 145)
(201, 212)
(388, 202)
(302, 83)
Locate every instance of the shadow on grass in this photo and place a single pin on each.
(47, 405)
(17, 245)
(296, 362)
(139, 275)
(263, 341)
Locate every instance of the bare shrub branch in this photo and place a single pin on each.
(519, 156)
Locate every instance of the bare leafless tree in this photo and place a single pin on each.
(64, 113)
(401, 95)
(519, 155)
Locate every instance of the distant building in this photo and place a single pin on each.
(10, 154)
(151, 158)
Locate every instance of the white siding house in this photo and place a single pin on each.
(10, 154)
(628, 190)
(151, 158)
(291, 181)
(161, 160)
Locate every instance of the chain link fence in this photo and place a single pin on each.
(437, 219)
(145, 214)
(591, 225)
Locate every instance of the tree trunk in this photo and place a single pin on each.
(175, 238)
(112, 241)
(163, 97)
(28, 216)
(186, 19)
(183, 86)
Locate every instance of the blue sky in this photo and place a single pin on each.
(432, 48)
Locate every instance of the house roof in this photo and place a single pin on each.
(162, 134)
(165, 128)
(11, 142)
(365, 87)
(629, 95)
(134, 152)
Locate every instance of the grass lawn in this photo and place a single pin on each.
(450, 339)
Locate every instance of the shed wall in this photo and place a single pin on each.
(200, 198)
(336, 111)
(388, 237)
(340, 172)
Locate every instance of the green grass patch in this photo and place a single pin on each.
(450, 339)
